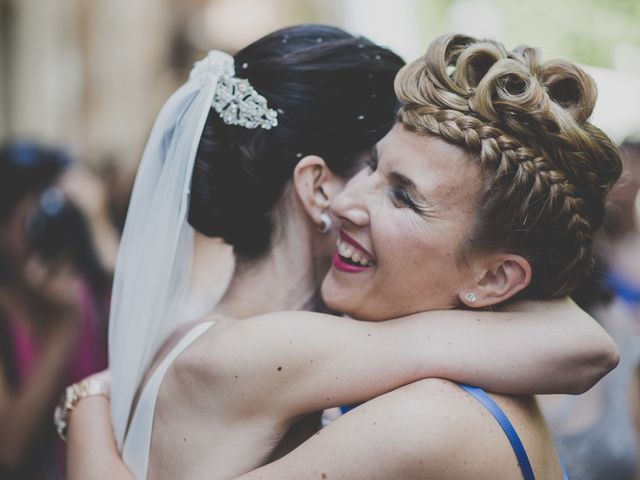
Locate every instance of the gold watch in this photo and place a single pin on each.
(70, 398)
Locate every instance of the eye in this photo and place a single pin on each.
(372, 163)
(372, 160)
(399, 194)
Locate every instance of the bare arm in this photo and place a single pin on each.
(92, 452)
(328, 360)
(392, 436)
(298, 362)
(89, 193)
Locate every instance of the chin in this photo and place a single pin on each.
(327, 292)
(339, 301)
(336, 298)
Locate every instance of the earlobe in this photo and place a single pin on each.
(325, 220)
(501, 279)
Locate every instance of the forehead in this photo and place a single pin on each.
(439, 169)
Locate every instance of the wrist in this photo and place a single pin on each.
(72, 396)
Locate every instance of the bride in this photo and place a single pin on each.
(220, 395)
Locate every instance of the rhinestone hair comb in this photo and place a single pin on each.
(237, 103)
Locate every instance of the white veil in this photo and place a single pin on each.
(154, 261)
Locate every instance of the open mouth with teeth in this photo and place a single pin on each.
(350, 255)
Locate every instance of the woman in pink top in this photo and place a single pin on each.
(53, 299)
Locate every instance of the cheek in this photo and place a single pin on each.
(419, 254)
(402, 239)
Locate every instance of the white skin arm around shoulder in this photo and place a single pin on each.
(429, 429)
(300, 362)
(543, 347)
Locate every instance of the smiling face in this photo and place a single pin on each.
(404, 221)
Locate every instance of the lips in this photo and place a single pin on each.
(351, 256)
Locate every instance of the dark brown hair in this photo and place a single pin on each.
(334, 96)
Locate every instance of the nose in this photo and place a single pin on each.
(350, 205)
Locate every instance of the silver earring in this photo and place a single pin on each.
(470, 297)
(325, 218)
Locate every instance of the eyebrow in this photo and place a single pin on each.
(405, 182)
(402, 179)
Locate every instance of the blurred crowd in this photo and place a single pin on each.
(597, 433)
(60, 224)
(58, 243)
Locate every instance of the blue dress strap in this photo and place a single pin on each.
(347, 408)
(503, 420)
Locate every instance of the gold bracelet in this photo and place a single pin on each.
(70, 398)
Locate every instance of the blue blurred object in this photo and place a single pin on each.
(27, 167)
(626, 290)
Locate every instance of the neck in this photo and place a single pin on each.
(285, 278)
(212, 270)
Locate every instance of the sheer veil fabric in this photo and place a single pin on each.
(155, 258)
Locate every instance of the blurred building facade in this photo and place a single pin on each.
(81, 73)
(91, 75)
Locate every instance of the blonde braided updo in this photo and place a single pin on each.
(547, 170)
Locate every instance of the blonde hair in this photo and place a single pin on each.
(546, 168)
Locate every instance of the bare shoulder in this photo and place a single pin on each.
(435, 429)
(228, 343)
(431, 417)
(244, 347)
(236, 361)
(199, 362)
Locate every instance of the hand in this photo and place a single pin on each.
(87, 191)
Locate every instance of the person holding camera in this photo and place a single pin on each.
(53, 306)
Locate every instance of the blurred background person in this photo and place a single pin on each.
(623, 230)
(90, 193)
(53, 306)
(598, 433)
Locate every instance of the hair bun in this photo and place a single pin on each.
(334, 96)
(507, 89)
(475, 62)
(571, 87)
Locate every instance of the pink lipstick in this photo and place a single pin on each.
(340, 264)
(351, 257)
(346, 238)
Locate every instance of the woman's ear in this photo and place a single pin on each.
(499, 277)
(315, 185)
